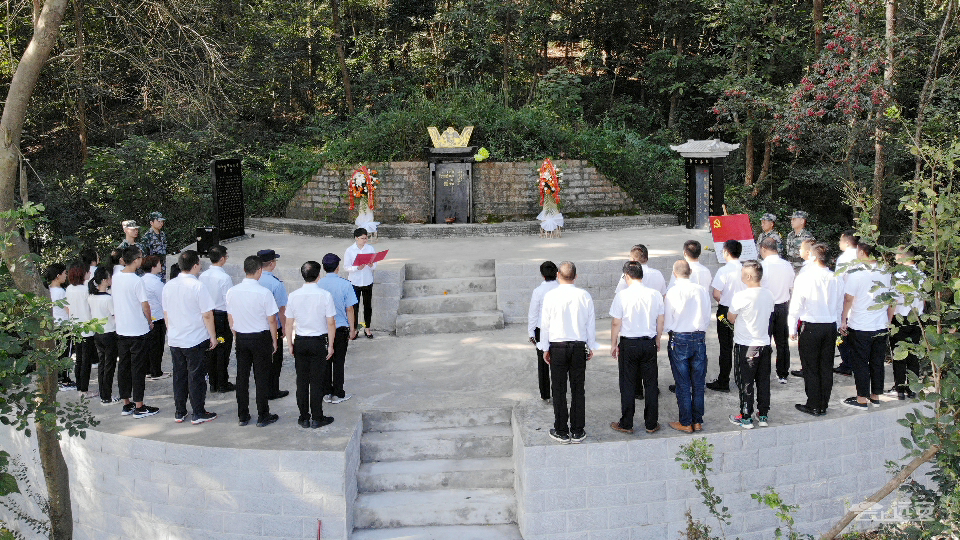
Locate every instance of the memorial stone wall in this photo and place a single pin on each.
(501, 192)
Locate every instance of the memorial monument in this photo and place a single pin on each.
(703, 163)
(451, 175)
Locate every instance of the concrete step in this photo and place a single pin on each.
(449, 303)
(458, 532)
(449, 323)
(436, 474)
(433, 419)
(435, 508)
(448, 443)
(459, 285)
(452, 269)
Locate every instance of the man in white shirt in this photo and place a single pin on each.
(726, 283)
(133, 325)
(153, 284)
(866, 328)
(778, 276)
(361, 276)
(845, 262)
(218, 283)
(188, 310)
(568, 337)
(812, 319)
(311, 321)
(699, 273)
(252, 313)
(653, 279)
(635, 331)
(750, 311)
(905, 330)
(807, 262)
(548, 270)
(686, 316)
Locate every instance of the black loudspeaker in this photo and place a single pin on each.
(207, 237)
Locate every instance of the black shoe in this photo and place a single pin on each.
(807, 409)
(145, 411)
(578, 437)
(843, 372)
(821, 412)
(638, 396)
(244, 420)
(128, 409)
(323, 421)
(672, 388)
(179, 417)
(267, 420)
(228, 387)
(910, 394)
(559, 437)
(205, 416)
(797, 373)
(718, 386)
(304, 423)
(280, 394)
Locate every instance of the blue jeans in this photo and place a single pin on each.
(688, 361)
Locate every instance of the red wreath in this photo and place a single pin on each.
(364, 190)
(549, 180)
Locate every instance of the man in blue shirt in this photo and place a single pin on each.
(274, 285)
(344, 299)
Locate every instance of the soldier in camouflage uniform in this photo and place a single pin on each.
(767, 222)
(155, 242)
(130, 233)
(796, 237)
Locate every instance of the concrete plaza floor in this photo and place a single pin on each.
(461, 371)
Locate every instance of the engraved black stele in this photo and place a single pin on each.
(228, 197)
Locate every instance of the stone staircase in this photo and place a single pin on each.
(450, 297)
(436, 475)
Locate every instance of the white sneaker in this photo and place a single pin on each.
(328, 398)
(341, 399)
(783, 380)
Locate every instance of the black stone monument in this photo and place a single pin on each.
(704, 162)
(228, 198)
(451, 184)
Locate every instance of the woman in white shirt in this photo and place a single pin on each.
(79, 310)
(361, 277)
(101, 307)
(152, 266)
(56, 276)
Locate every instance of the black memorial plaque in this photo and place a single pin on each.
(228, 197)
(453, 184)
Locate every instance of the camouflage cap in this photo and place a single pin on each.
(768, 217)
(800, 214)
(157, 216)
(129, 224)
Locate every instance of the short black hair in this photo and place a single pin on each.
(130, 254)
(548, 269)
(251, 265)
(640, 252)
(633, 269)
(216, 253)
(310, 271)
(734, 248)
(867, 249)
(188, 259)
(89, 256)
(820, 251)
(851, 236)
(53, 271)
(358, 232)
(692, 249)
(769, 243)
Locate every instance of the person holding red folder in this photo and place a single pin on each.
(361, 276)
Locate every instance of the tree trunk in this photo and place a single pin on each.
(81, 96)
(751, 160)
(765, 167)
(24, 272)
(880, 157)
(338, 39)
(818, 25)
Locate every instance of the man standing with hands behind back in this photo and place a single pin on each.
(568, 337)
(274, 285)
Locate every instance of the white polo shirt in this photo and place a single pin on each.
(568, 315)
(859, 285)
(686, 307)
(817, 297)
(699, 274)
(154, 287)
(185, 300)
(728, 281)
(217, 283)
(310, 306)
(250, 303)
(652, 278)
(778, 276)
(359, 277)
(536, 305)
(128, 296)
(638, 308)
(753, 307)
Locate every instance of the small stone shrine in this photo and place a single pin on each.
(451, 175)
(703, 162)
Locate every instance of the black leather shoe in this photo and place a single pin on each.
(304, 423)
(228, 387)
(638, 397)
(280, 394)
(323, 421)
(845, 373)
(267, 420)
(717, 386)
(804, 408)
(797, 373)
(672, 388)
(244, 421)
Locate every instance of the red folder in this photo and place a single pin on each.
(369, 258)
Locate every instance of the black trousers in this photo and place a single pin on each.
(543, 369)
(817, 343)
(869, 351)
(189, 372)
(155, 347)
(310, 361)
(638, 361)
(132, 366)
(365, 297)
(276, 366)
(219, 358)
(906, 332)
(254, 352)
(752, 375)
(333, 377)
(725, 337)
(780, 334)
(85, 350)
(568, 361)
(107, 353)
